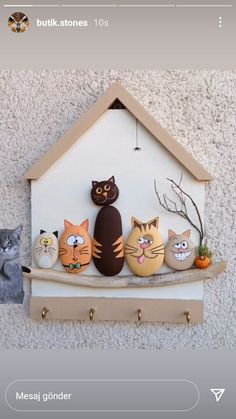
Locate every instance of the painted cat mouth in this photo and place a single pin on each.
(107, 199)
(181, 256)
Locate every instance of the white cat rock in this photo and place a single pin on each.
(46, 249)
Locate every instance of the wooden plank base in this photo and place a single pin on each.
(116, 309)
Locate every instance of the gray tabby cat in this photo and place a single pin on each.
(11, 278)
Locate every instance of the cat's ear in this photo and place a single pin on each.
(112, 179)
(67, 224)
(94, 183)
(186, 234)
(42, 231)
(171, 234)
(136, 223)
(154, 222)
(55, 234)
(18, 231)
(85, 224)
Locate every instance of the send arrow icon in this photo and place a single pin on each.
(218, 393)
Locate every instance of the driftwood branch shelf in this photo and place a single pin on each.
(131, 281)
(103, 307)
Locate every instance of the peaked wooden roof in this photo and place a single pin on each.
(116, 91)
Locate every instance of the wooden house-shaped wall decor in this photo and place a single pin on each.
(115, 137)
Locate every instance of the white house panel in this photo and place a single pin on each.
(107, 149)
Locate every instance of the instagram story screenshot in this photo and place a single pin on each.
(117, 209)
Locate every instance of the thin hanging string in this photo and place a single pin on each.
(137, 148)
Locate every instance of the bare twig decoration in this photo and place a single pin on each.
(180, 208)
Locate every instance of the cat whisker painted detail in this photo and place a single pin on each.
(161, 246)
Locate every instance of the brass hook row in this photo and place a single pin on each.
(45, 311)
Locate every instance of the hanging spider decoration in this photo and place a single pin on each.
(18, 22)
(137, 146)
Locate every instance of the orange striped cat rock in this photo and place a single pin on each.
(75, 247)
(144, 250)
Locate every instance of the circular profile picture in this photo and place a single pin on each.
(18, 22)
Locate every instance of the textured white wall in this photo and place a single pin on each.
(198, 108)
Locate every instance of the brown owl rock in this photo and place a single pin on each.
(180, 251)
(108, 245)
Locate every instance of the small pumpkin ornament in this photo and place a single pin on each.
(46, 249)
(204, 257)
(75, 247)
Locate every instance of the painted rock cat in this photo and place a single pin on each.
(144, 250)
(75, 247)
(46, 249)
(180, 251)
(108, 244)
(11, 278)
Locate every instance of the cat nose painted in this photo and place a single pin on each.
(105, 194)
(144, 245)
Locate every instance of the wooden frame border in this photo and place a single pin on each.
(117, 91)
(117, 309)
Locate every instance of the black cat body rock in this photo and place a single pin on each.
(108, 244)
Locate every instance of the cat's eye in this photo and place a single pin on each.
(71, 240)
(99, 190)
(184, 245)
(79, 240)
(25, 19)
(141, 240)
(107, 187)
(11, 19)
(148, 238)
(177, 245)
